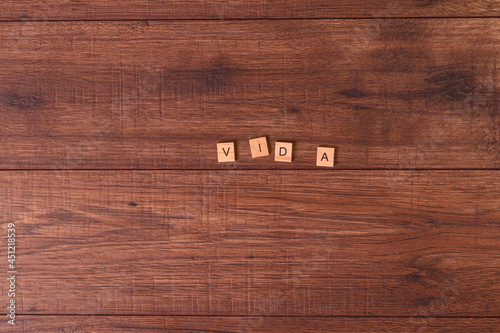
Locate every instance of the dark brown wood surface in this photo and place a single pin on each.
(215, 324)
(110, 112)
(258, 243)
(398, 94)
(245, 9)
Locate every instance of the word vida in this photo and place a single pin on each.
(282, 152)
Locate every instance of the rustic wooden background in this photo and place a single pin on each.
(110, 111)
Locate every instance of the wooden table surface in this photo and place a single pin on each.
(110, 112)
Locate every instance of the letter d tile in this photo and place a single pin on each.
(283, 151)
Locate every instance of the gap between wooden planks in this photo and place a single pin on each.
(253, 243)
(128, 95)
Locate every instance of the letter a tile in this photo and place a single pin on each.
(325, 157)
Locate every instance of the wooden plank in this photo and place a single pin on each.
(322, 243)
(401, 94)
(253, 9)
(106, 324)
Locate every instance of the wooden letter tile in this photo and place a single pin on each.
(283, 152)
(225, 152)
(258, 147)
(325, 157)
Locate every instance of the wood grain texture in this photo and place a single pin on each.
(255, 243)
(214, 324)
(234, 9)
(397, 94)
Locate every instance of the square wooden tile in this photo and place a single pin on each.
(325, 157)
(283, 151)
(258, 147)
(225, 152)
